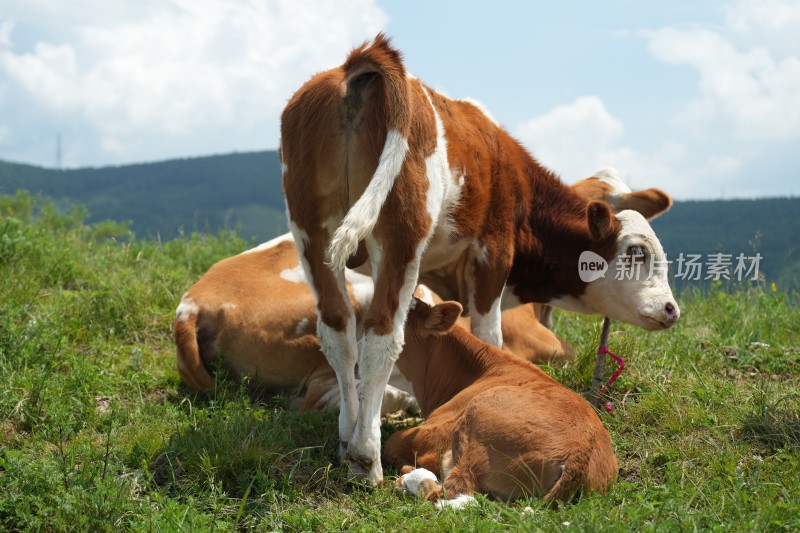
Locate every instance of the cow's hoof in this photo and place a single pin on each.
(365, 470)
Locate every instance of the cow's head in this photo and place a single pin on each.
(625, 271)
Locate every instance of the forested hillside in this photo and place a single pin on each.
(163, 199)
(243, 191)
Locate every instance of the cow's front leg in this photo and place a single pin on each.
(383, 340)
(485, 283)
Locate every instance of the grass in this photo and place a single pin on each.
(97, 433)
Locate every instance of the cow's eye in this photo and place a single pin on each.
(636, 251)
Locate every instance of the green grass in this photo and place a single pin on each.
(97, 433)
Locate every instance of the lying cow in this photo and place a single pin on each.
(495, 424)
(256, 310)
(382, 172)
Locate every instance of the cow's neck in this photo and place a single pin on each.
(549, 241)
(446, 365)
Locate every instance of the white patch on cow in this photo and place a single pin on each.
(610, 176)
(410, 76)
(395, 400)
(186, 308)
(284, 169)
(642, 300)
(363, 215)
(410, 482)
(286, 237)
(482, 109)
(228, 306)
(362, 287)
(459, 502)
(444, 195)
(302, 327)
(487, 327)
(294, 274)
(301, 240)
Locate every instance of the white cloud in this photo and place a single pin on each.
(570, 139)
(149, 73)
(766, 23)
(752, 90)
(577, 139)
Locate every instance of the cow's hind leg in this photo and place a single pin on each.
(336, 324)
(398, 269)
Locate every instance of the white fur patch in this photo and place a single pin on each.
(410, 482)
(362, 286)
(487, 327)
(286, 237)
(186, 308)
(303, 327)
(459, 502)
(611, 177)
(294, 274)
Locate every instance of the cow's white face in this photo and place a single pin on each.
(635, 288)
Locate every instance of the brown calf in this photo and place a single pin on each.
(495, 424)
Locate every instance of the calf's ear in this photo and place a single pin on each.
(649, 202)
(602, 222)
(442, 317)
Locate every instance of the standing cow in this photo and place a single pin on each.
(380, 170)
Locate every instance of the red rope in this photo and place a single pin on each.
(603, 350)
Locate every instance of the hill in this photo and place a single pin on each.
(243, 191)
(167, 198)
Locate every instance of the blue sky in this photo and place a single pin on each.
(700, 98)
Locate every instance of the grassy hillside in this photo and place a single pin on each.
(243, 191)
(96, 432)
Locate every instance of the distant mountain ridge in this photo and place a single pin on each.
(243, 191)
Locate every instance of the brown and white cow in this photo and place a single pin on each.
(378, 166)
(494, 424)
(254, 315)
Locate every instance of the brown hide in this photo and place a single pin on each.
(500, 425)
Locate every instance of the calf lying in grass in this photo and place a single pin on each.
(495, 424)
(256, 311)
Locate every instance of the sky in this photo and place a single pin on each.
(698, 97)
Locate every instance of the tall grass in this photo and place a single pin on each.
(97, 433)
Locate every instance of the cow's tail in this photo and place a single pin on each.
(190, 363)
(375, 59)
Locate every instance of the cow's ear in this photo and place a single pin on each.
(602, 222)
(649, 202)
(442, 317)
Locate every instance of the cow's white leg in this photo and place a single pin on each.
(485, 286)
(340, 351)
(383, 342)
(336, 326)
(487, 326)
